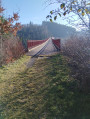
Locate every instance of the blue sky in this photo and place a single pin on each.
(29, 10)
(34, 11)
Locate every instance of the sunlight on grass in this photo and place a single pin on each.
(44, 91)
(7, 72)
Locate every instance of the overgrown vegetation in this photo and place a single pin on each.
(77, 49)
(10, 46)
(12, 49)
(45, 91)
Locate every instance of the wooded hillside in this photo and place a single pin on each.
(47, 29)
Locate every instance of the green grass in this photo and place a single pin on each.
(45, 91)
(8, 72)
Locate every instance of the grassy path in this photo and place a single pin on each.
(45, 91)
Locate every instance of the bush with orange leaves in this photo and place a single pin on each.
(10, 46)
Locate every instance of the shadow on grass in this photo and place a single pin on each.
(45, 91)
(65, 102)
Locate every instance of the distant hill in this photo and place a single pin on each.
(59, 30)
